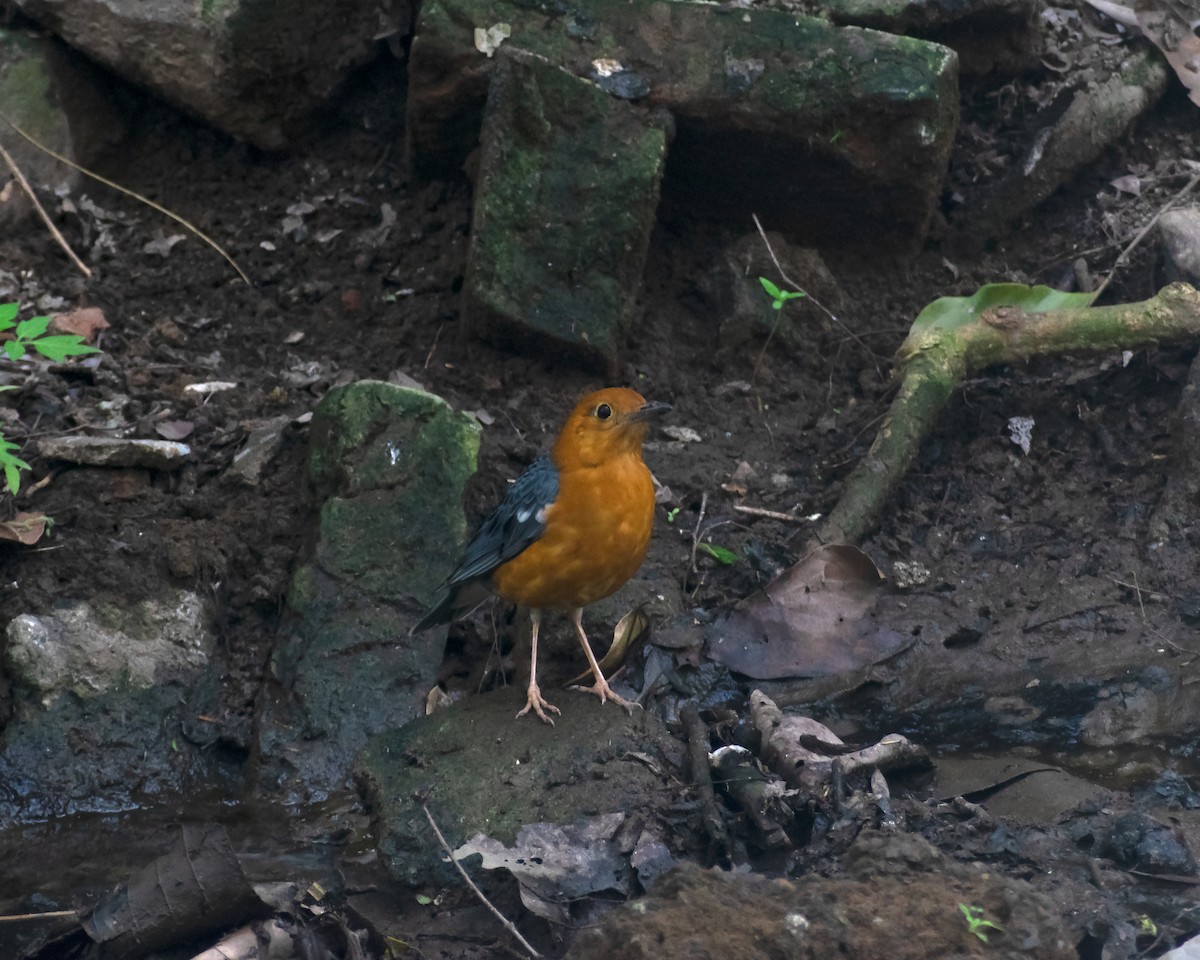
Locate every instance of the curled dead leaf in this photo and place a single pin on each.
(628, 629)
(26, 528)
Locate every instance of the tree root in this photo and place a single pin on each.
(935, 359)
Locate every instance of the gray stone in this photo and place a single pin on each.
(830, 132)
(482, 770)
(52, 95)
(390, 464)
(1179, 232)
(987, 35)
(101, 696)
(115, 452)
(88, 650)
(257, 69)
(565, 202)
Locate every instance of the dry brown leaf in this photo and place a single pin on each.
(174, 429)
(813, 620)
(85, 322)
(26, 528)
(628, 629)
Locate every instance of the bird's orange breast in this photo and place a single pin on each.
(597, 531)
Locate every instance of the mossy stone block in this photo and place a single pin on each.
(391, 464)
(565, 203)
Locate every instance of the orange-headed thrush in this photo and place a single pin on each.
(572, 529)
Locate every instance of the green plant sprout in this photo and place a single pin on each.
(977, 923)
(779, 297)
(720, 554)
(672, 514)
(29, 335)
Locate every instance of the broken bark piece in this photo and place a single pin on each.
(115, 452)
(783, 748)
(565, 202)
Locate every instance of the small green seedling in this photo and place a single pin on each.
(672, 514)
(1147, 926)
(26, 335)
(31, 334)
(779, 297)
(720, 554)
(12, 464)
(977, 924)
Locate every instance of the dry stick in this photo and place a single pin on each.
(1187, 188)
(54, 231)
(14, 917)
(769, 514)
(191, 228)
(507, 924)
(697, 749)
(696, 531)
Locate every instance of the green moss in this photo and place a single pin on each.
(25, 88)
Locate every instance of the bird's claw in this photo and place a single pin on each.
(601, 689)
(538, 704)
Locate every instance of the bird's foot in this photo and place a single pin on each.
(538, 704)
(601, 689)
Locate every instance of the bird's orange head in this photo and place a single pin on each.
(605, 424)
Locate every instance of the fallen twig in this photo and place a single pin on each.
(697, 749)
(696, 530)
(54, 231)
(1188, 187)
(187, 225)
(768, 514)
(505, 922)
(18, 917)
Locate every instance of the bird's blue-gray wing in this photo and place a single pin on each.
(516, 523)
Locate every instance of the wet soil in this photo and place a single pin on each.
(342, 298)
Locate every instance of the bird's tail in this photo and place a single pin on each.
(440, 612)
(454, 601)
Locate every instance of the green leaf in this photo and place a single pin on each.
(14, 349)
(672, 514)
(777, 305)
(772, 290)
(32, 328)
(61, 347)
(720, 554)
(8, 313)
(951, 313)
(13, 465)
(792, 294)
(424, 900)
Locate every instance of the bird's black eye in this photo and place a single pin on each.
(603, 412)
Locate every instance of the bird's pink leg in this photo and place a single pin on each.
(600, 688)
(535, 701)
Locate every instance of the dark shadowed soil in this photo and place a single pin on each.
(342, 299)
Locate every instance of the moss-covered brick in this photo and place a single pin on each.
(565, 203)
(829, 133)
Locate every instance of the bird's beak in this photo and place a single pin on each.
(647, 410)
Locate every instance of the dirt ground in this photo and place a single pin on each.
(344, 300)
